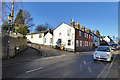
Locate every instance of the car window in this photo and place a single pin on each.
(106, 49)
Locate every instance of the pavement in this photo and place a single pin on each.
(31, 64)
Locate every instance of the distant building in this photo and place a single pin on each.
(108, 40)
(42, 37)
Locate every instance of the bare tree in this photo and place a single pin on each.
(27, 19)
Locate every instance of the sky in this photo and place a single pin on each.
(102, 16)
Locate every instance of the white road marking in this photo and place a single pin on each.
(109, 68)
(103, 74)
(102, 71)
(34, 70)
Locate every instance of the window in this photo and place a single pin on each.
(31, 36)
(59, 34)
(85, 43)
(40, 36)
(89, 36)
(50, 40)
(69, 32)
(80, 43)
(85, 34)
(79, 33)
(77, 43)
(69, 42)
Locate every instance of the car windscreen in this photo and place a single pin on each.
(106, 49)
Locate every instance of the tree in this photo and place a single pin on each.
(5, 26)
(40, 28)
(19, 18)
(49, 26)
(23, 29)
(97, 33)
(27, 19)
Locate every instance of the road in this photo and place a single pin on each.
(67, 65)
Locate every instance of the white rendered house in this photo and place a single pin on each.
(37, 38)
(42, 37)
(48, 39)
(66, 34)
(108, 40)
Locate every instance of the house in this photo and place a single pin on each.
(65, 35)
(108, 40)
(96, 40)
(72, 37)
(48, 38)
(42, 37)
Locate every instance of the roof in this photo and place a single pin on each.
(38, 32)
(61, 24)
(79, 29)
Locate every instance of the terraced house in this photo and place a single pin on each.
(74, 38)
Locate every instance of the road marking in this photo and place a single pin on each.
(34, 70)
(103, 74)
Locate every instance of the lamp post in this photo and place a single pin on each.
(10, 22)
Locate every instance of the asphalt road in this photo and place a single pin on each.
(63, 66)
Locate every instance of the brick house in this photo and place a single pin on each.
(83, 40)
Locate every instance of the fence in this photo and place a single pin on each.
(15, 46)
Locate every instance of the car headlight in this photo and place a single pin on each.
(108, 54)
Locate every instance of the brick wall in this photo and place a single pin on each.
(82, 41)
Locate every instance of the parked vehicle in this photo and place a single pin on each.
(114, 46)
(103, 53)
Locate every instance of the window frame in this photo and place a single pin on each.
(77, 43)
(69, 43)
(80, 43)
(79, 33)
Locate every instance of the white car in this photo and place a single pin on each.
(103, 53)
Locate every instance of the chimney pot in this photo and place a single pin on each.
(77, 25)
(72, 23)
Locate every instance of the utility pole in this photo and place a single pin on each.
(12, 11)
(10, 19)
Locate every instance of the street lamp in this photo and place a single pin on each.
(10, 22)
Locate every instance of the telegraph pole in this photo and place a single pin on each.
(10, 19)
(12, 11)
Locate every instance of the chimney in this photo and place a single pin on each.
(72, 23)
(82, 28)
(49, 30)
(93, 31)
(77, 25)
